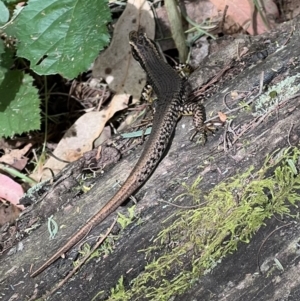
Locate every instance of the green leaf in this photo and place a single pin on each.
(273, 94)
(19, 104)
(4, 13)
(61, 36)
(6, 59)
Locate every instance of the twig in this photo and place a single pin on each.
(182, 207)
(289, 133)
(264, 241)
(223, 18)
(12, 171)
(224, 97)
(261, 82)
(63, 94)
(291, 33)
(246, 104)
(84, 259)
(197, 92)
(101, 99)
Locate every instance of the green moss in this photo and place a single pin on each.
(107, 246)
(233, 212)
(123, 220)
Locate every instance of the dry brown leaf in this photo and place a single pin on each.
(234, 94)
(15, 157)
(7, 144)
(204, 10)
(242, 11)
(116, 64)
(290, 9)
(8, 213)
(222, 116)
(76, 141)
(201, 10)
(10, 190)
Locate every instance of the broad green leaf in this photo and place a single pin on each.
(61, 36)
(6, 59)
(19, 104)
(4, 13)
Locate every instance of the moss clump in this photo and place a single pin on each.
(234, 210)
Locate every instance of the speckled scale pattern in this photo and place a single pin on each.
(172, 92)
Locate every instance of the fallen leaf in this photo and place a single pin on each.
(116, 64)
(242, 12)
(222, 116)
(7, 143)
(8, 213)
(234, 94)
(10, 190)
(15, 157)
(76, 141)
(291, 10)
(201, 10)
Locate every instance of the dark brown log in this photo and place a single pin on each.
(236, 277)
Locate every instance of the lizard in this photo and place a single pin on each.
(172, 93)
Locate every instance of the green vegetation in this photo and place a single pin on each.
(54, 37)
(233, 212)
(123, 220)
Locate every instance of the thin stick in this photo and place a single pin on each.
(84, 259)
(264, 241)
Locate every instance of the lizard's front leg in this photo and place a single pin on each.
(199, 117)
